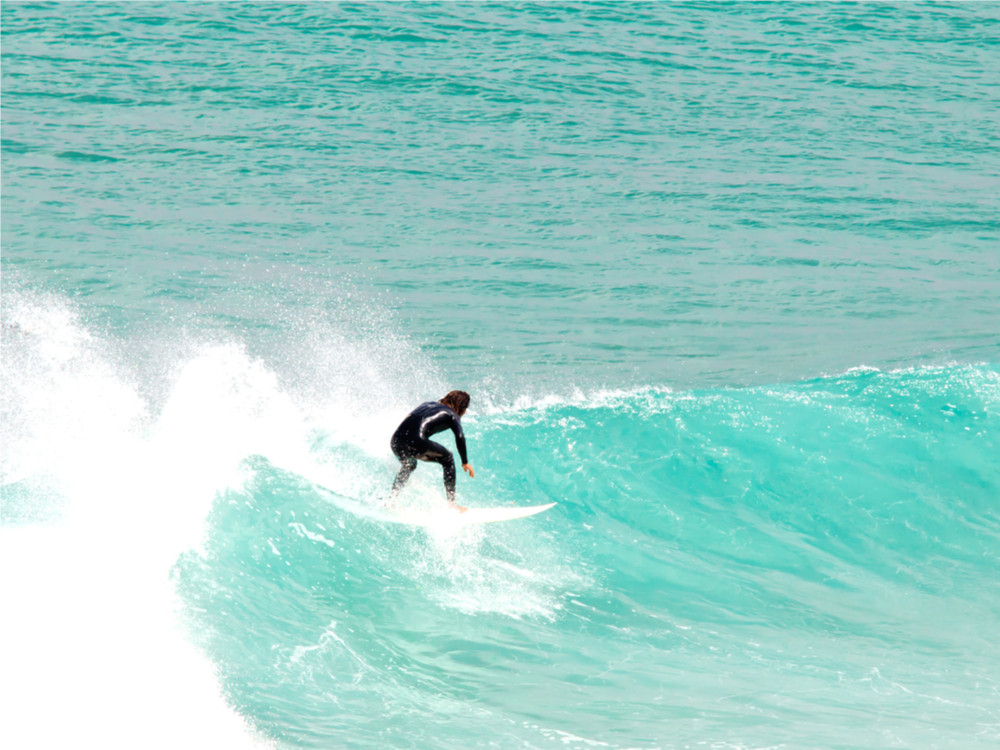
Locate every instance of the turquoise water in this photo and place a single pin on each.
(721, 279)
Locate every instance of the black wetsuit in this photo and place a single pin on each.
(410, 443)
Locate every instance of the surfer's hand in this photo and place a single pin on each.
(468, 468)
(461, 508)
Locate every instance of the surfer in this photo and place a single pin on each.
(411, 441)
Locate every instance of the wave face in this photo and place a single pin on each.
(810, 564)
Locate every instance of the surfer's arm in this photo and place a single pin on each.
(456, 427)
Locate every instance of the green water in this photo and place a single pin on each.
(721, 278)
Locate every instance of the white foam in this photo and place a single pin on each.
(91, 641)
(91, 645)
(92, 651)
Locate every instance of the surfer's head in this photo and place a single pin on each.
(458, 401)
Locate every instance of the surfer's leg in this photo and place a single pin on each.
(409, 464)
(441, 455)
(406, 448)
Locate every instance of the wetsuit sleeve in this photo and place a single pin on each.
(456, 427)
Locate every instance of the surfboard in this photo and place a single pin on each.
(447, 517)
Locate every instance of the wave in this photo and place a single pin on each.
(834, 540)
(822, 553)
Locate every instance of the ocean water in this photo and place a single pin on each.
(722, 279)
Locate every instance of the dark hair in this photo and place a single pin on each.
(458, 401)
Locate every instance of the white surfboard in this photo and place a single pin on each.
(449, 516)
